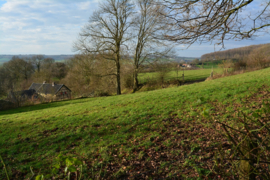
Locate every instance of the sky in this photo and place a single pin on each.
(52, 26)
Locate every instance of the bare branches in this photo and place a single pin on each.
(106, 32)
(204, 21)
(149, 27)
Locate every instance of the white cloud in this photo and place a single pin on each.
(84, 5)
(42, 26)
(51, 27)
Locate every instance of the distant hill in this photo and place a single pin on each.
(182, 58)
(7, 57)
(235, 54)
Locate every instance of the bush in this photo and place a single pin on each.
(128, 81)
(100, 93)
(249, 135)
(240, 65)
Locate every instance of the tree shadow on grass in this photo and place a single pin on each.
(42, 106)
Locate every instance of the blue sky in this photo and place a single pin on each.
(51, 27)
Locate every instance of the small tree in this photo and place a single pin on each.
(17, 70)
(226, 65)
(195, 61)
(37, 61)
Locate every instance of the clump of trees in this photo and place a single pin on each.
(90, 74)
(19, 73)
(259, 57)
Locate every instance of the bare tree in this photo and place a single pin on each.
(37, 61)
(87, 74)
(18, 69)
(195, 61)
(5, 82)
(219, 20)
(149, 26)
(47, 63)
(14, 73)
(106, 33)
(59, 70)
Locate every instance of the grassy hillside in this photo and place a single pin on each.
(122, 136)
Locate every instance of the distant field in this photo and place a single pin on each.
(210, 65)
(190, 75)
(122, 136)
(60, 60)
(2, 60)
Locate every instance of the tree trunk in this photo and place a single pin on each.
(117, 62)
(135, 80)
(118, 79)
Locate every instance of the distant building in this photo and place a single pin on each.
(186, 65)
(55, 91)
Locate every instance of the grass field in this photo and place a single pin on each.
(210, 64)
(190, 75)
(122, 136)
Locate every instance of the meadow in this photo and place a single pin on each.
(154, 134)
(210, 64)
(190, 75)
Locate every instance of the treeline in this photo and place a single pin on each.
(61, 57)
(85, 74)
(233, 54)
(258, 58)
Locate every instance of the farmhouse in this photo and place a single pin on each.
(186, 65)
(53, 91)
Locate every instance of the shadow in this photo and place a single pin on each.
(192, 81)
(41, 106)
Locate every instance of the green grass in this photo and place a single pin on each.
(190, 75)
(210, 64)
(96, 128)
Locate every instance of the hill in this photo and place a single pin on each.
(153, 134)
(62, 57)
(236, 53)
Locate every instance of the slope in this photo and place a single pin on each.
(122, 136)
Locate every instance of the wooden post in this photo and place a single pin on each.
(177, 70)
(183, 75)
